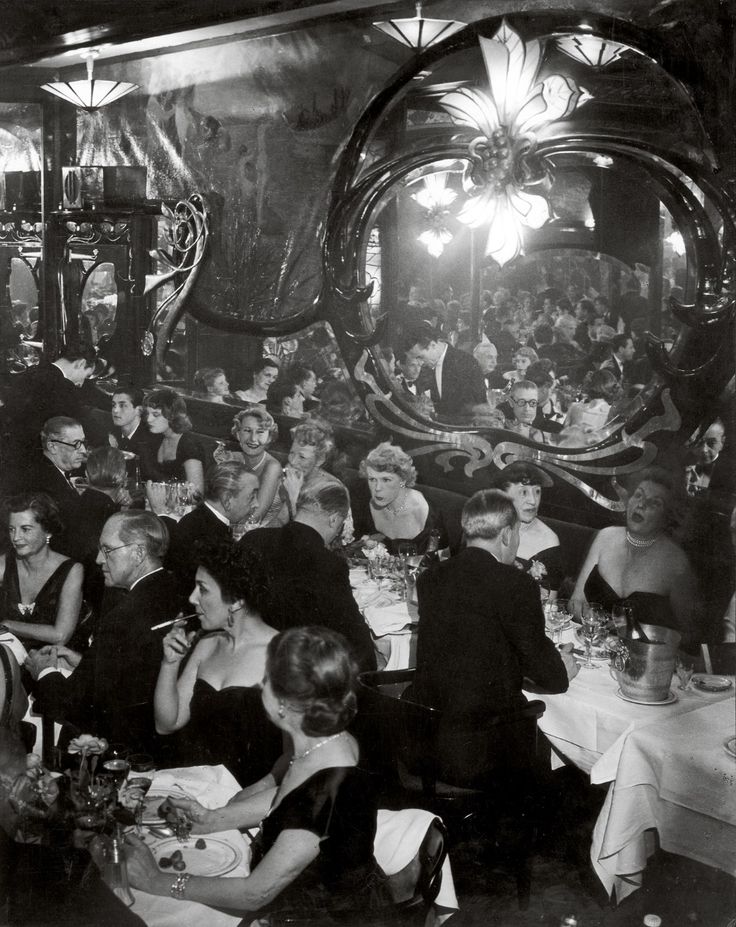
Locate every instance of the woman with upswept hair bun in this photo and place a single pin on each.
(313, 856)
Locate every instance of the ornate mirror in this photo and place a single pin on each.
(100, 302)
(537, 156)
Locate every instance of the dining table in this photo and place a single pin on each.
(398, 838)
(656, 770)
(391, 617)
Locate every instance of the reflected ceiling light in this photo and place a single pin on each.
(502, 169)
(89, 94)
(435, 196)
(590, 49)
(677, 242)
(417, 32)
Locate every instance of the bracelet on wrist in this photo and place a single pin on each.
(179, 886)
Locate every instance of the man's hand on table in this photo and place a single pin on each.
(38, 660)
(572, 667)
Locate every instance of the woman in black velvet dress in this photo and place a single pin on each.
(317, 808)
(214, 704)
(539, 551)
(639, 565)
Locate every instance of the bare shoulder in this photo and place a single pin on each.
(673, 555)
(547, 537)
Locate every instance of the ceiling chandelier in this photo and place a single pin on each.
(419, 33)
(89, 94)
(590, 49)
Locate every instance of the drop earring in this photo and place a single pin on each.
(48, 538)
(282, 710)
(230, 619)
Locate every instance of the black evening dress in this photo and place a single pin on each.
(647, 607)
(43, 610)
(551, 559)
(229, 726)
(188, 448)
(339, 805)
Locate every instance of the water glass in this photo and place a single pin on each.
(593, 622)
(684, 667)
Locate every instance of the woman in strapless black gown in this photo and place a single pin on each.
(313, 857)
(215, 704)
(640, 565)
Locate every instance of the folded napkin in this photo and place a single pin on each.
(358, 575)
(399, 835)
(212, 786)
(387, 618)
(370, 594)
(13, 644)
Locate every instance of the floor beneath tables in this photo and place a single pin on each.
(682, 892)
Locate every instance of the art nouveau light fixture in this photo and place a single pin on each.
(435, 196)
(90, 94)
(417, 32)
(590, 49)
(503, 170)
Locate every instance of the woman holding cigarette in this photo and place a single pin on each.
(214, 703)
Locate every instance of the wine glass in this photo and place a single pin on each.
(555, 619)
(593, 621)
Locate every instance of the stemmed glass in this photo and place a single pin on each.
(406, 549)
(593, 622)
(556, 616)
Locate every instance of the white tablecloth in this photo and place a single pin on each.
(391, 620)
(212, 786)
(398, 836)
(675, 777)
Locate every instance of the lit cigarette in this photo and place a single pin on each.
(167, 624)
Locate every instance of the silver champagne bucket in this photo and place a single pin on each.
(644, 670)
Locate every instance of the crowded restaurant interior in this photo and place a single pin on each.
(368, 463)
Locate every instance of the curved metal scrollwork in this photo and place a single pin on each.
(187, 235)
(497, 157)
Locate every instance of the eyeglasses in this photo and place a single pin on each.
(77, 445)
(523, 403)
(106, 551)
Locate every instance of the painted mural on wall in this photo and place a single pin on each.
(256, 127)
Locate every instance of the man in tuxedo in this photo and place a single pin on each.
(41, 393)
(456, 383)
(622, 353)
(706, 452)
(110, 693)
(63, 450)
(486, 356)
(314, 585)
(481, 637)
(230, 492)
(129, 432)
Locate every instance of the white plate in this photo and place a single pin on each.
(729, 745)
(563, 627)
(151, 805)
(636, 701)
(217, 858)
(709, 683)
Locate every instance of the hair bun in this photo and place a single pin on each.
(327, 716)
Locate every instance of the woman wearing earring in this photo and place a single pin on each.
(394, 512)
(313, 857)
(215, 703)
(40, 589)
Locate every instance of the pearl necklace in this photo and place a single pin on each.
(640, 543)
(394, 513)
(320, 743)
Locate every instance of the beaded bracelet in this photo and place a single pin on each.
(179, 886)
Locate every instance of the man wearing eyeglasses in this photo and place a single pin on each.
(63, 450)
(111, 690)
(524, 399)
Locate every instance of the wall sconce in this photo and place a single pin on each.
(435, 197)
(419, 33)
(677, 242)
(502, 167)
(590, 49)
(89, 94)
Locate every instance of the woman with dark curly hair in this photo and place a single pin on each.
(639, 564)
(216, 700)
(177, 456)
(313, 857)
(40, 589)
